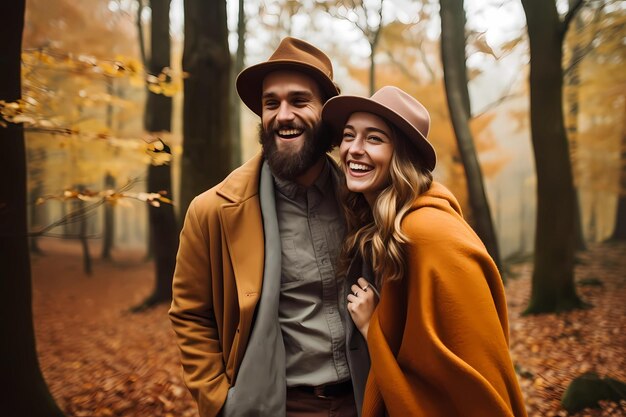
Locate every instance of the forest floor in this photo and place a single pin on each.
(101, 360)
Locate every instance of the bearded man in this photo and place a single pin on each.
(259, 314)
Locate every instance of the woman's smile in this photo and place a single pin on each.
(366, 151)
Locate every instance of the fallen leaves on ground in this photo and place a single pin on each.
(101, 360)
(550, 350)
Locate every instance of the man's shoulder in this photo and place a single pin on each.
(241, 184)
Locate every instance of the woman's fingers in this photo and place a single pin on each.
(355, 289)
(363, 283)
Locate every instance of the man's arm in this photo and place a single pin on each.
(193, 318)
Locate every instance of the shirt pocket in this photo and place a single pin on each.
(334, 240)
(290, 264)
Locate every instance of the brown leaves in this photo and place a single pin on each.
(108, 196)
(99, 360)
(167, 82)
(551, 350)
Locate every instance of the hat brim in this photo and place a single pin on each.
(250, 81)
(337, 110)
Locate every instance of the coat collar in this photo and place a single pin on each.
(243, 182)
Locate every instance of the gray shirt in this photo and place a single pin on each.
(311, 231)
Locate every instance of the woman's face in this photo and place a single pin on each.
(366, 150)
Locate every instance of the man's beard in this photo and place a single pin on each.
(289, 165)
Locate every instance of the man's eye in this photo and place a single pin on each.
(300, 102)
(270, 104)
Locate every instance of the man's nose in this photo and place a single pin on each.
(284, 112)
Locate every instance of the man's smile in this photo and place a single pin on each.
(289, 133)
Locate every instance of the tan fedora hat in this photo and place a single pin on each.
(292, 54)
(392, 104)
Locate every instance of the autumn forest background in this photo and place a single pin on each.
(114, 114)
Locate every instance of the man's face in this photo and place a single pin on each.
(290, 123)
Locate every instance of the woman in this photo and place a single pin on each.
(438, 337)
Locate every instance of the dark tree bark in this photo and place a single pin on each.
(83, 225)
(158, 115)
(234, 98)
(25, 392)
(619, 233)
(108, 221)
(572, 78)
(206, 119)
(373, 36)
(553, 287)
(455, 78)
(36, 158)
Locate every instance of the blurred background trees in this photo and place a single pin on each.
(128, 103)
(84, 92)
(27, 392)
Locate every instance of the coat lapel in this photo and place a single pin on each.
(243, 231)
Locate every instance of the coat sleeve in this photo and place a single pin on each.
(193, 318)
(452, 357)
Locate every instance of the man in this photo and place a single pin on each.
(257, 309)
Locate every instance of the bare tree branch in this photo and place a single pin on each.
(142, 42)
(403, 69)
(504, 97)
(574, 7)
(589, 46)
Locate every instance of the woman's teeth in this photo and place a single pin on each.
(359, 167)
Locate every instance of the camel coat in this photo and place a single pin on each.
(438, 340)
(223, 238)
(216, 291)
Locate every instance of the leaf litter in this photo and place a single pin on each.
(100, 360)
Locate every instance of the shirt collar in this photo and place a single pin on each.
(292, 190)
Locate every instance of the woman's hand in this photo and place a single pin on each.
(361, 305)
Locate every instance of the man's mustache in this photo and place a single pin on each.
(277, 126)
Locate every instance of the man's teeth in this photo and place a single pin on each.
(289, 132)
(359, 167)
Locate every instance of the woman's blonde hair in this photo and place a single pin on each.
(376, 233)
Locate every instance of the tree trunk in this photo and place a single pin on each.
(619, 233)
(455, 77)
(25, 392)
(372, 72)
(571, 124)
(234, 98)
(37, 158)
(158, 115)
(206, 120)
(553, 286)
(109, 221)
(82, 234)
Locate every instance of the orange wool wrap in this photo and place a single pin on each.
(438, 339)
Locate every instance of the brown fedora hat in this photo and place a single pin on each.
(392, 104)
(292, 54)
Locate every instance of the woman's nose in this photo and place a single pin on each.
(356, 147)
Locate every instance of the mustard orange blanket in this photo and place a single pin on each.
(438, 339)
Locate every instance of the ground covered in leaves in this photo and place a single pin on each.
(101, 360)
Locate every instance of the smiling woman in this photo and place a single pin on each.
(438, 333)
(365, 151)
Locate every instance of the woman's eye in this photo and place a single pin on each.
(375, 139)
(348, 136)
